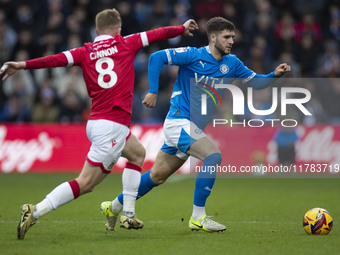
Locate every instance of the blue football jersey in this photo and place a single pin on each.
(197, 65)
(199, 75)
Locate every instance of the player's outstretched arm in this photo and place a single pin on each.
(282, 69)
(56, 60)
(11, 68)
(190, 25)
(167, 32)
(262, 80)
(150, 100)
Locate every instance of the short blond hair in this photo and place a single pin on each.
(107, 19)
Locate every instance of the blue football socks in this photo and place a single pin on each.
(206, 178)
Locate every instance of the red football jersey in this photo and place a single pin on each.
(108, 70)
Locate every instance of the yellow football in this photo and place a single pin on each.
(317, 221)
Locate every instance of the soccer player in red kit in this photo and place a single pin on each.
(108, 71)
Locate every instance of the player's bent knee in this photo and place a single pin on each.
(158, 179)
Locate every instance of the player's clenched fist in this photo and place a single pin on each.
(281, 69)
(150, 100)
(190, 25)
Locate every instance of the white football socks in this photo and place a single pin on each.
(61, 195)
(116, 206)
(198, 212)
(131, 180)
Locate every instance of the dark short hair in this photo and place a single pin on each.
(218, 24)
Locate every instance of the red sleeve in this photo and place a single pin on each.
(143, 39)
(48, 61)
(76, 56)
(163, 33)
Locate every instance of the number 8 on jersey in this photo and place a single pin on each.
(108, 70)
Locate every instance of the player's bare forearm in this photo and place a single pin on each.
(150, 100)
(11, 68)
(282, 69)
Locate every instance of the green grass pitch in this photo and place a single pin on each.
(262, 215)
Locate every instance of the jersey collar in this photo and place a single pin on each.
(102, 38)
(211, 55)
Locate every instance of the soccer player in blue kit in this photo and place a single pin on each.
(213, 61)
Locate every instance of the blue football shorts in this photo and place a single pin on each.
(180, 134)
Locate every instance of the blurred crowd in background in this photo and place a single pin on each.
(302, 33)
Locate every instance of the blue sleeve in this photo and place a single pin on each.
(177, 56)
(156, 62)
(261, 80)
(242, 71)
